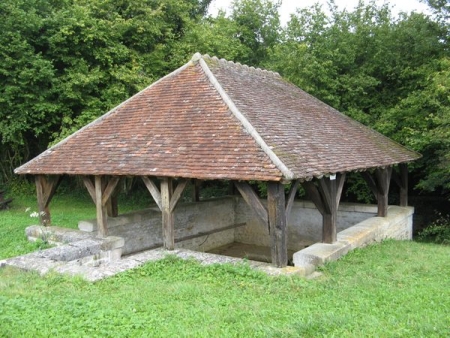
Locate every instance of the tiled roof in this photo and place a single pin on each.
(214, 119)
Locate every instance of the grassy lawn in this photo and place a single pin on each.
(385, 290)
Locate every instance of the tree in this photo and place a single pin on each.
(65, 62)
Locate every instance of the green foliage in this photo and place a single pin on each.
(390, 74)
(437, 232)
(66, 62)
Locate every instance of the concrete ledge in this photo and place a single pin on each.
(397, 225)
(320, 253)
(54, 234)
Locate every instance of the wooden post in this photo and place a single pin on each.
(45, 189)
(167, 216)
(328, 187)
(383, 176)
(403, 167)
(326, 198)
(277, 223)
(196, 184)
(101, 209)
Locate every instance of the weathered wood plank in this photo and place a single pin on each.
(109, 189)
(324, 189)
(276, 209)
(340, 180)
(403, 168)
(253, 201)
(291, 198)
(177, 194)
(89, 186)
(329, 191)
(314, 195)
(101, 209)
(383, 176)
(154, 191)
(196, 185)
(167, 216)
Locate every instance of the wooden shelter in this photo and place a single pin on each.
(215, 119)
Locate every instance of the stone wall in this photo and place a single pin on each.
(397, 225)
(304, 223)
(141, 230)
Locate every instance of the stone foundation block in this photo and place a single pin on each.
(320, 253)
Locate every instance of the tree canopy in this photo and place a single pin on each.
(65, 62)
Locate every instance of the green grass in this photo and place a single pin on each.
(65, 211)
(392, 289)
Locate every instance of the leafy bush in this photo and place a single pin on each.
(437, 232)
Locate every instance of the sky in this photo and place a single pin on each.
(289, 6)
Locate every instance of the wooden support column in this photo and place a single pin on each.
(167, 216)
(326, 197)
(45, 189)
(101, 190)
(196, 184)
(401, 178)
(169, 200)
(383, 176)
(277, 223)
(101, 209)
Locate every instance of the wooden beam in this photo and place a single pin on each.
(196, 185)
(45, 190)
(401, 178)
(109, 189)
(383, 176)
(314, 195)
(328, 187)
(253, 201)
(154, 191)
(403, 168)
(326, 198)
(114, 205)
(276, 209)
(291, 198)
(177, 194)
(340, 180)
(167, 216)
(101, 209)
(89, 186)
